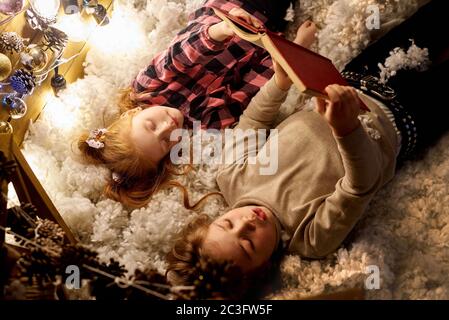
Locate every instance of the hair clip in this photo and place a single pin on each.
(95, 137)
(116, 177)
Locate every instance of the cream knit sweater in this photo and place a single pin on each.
(323, 183)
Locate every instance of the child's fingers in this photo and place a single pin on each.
(354, 95)
(242, 14)
(334, 93)
(320, 105)
(307, 23)
(255, 22)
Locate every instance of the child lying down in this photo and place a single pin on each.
(330, 166)
(207, 74)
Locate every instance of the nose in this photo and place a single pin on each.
(165, 128)
(246, 224)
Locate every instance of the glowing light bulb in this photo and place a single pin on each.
(45, 8)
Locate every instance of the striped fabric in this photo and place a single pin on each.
(206, 80)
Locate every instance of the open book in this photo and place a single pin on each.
(309, 71)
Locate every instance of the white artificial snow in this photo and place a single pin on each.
(405, 232)
(415, 58)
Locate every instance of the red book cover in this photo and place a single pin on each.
(309, 71)
(315, 71)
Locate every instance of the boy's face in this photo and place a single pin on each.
(246, 236)
(151, 129)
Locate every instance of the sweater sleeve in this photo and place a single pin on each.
(263, 108)
(259, 114)
(329, 222)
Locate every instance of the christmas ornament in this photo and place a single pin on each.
(5, 127)
(58, 82)
(10, 7)
(23, 81)
(37, 22)
(34, 58)
(54, 39)
(70, 6)
(47, 9)
(5, 67)
(16, 107)
(11, 41)
(101, 15)
(90, 5)
(41, 269)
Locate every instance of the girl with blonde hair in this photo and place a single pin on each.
(207, 74)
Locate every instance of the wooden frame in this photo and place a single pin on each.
(26, 184)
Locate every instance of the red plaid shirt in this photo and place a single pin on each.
(205, 79)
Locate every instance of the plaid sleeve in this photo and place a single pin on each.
(197, 48)
(192, 47)
(224, 108)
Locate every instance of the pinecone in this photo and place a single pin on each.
(7, 167)
(38, 264)
(23, 81)
(217, 280)
(10, 42)
(150, 279)
(50, 230)
(54, 39)
(36, 22)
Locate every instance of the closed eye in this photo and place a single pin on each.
(150, 125)
(245, 251)
(251, 244)
(226, 224)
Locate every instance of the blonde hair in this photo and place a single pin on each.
(139, 178)
(125, 101)
(187, 257)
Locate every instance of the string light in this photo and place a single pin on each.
(45, 8)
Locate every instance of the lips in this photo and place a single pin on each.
(260, 214)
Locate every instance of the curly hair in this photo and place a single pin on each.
(187, 264)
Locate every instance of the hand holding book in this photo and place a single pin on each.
(341, 110)
(305, 36)
(281, 77)
(310, 72)
(223, 30)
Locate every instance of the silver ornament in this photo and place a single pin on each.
(10, 7)
(34, 58)
(5, 127)
(16, 107)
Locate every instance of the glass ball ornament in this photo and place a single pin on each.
(34, 58)
(16, 107)
(5, 67)
(10, 7)
(47, 9)
(5, 127)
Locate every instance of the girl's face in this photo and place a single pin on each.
(151, 129)
(245, 236)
